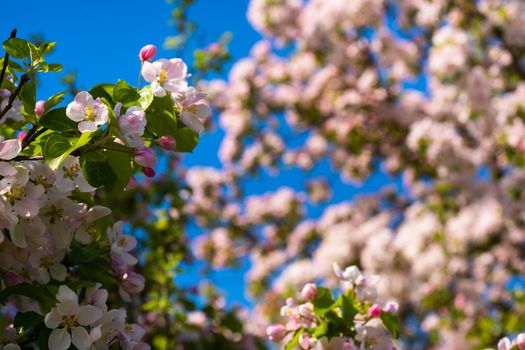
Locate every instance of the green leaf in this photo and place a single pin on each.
(295, 340)
(161, 117)
(43, 336)
(349, 310)
(46, 48)
(27, 319)
(323, 301)
(125, 93)
(122, 165)
(41, 294)
(55, 146)
(55, 158)
(186, 139)
(98, 173)
(54, 100)
(35, 54)
(80, 254)
(28, 97)
(102, 91)
(55, 67)
(57, 120)
(391, 323)
(17, 48)
(146, 97)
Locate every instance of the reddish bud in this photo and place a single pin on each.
(374, 311)
(276, 332)
(149, 172)
(309, 292)
(167, 142)
(147, 52)
(145, 157)
(39, 108)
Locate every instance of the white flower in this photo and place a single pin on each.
(21, 194)
(89, 112)
(9, 148)
(68, 319)
(194, 109)
(69, 176)
(165, 75)
(131, 126)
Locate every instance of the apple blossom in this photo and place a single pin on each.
(9, 149)
(145, 157)
(309, 291)
(131, 126)
(89, 112)
(165, 75)
(68, 320)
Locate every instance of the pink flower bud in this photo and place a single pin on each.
(167, 142)
(374, 311)
(21, 135)
(309, 292)
(145, 157)
(276, 332)
(304, 341)
(147, 52)
(520, 341)
(149, 172)
(39, 108)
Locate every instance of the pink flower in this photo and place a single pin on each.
(89, 112)
(131, 126)
(147, 52)
(374, 311)
(39, 108)
(165, 75)
(309, 292)
(194, 109)
(304, 341)
(167, 142)
(520, 341)
(9, 149)
(276, 332)
(145, 157)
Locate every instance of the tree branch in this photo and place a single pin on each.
(25, 78)
(6, 59)
(32, 135)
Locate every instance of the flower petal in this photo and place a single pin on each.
(81, 338)
(53, 318)
(66, 294)
(59, 339)
(87, 314)
(10, 149)
(87, 126)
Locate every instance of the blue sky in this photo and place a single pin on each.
(100, 39)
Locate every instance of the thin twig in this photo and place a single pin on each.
(32, 135)
(27, 158)
(25, 78)
(6, 59)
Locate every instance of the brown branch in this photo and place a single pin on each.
(6, 59)
(32, 135)
(25, 78)
(27, 158)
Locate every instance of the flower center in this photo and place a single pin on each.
(46, 262)
(16, 193)
(90, 114)
(71, 172)
(69, 321)
(55, 214)
(163, 76)
(42, 180)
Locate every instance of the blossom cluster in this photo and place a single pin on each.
(315, 323)
(69, 271)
